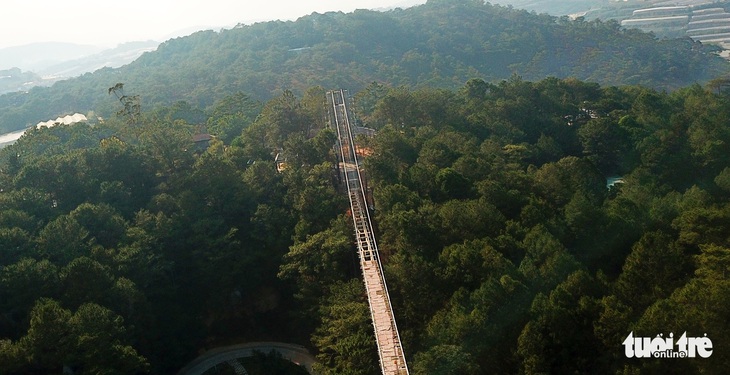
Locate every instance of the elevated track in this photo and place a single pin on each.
(390, 350)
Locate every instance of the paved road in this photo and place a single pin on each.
(294, 353)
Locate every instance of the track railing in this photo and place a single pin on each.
(390, 350)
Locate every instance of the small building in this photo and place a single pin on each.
(280, 162)
(66, 120)
(202, 138)
(613, 180)
(202, 141)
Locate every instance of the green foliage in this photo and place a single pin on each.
(345, 339)
(541, 267)
(231, 115)
(125, 249)
(655, 267)
(320, 260)
(27, 280)
(150, 248)
(560, 325)
(444, 360)
(90, 341)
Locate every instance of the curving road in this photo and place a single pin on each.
(294, 353)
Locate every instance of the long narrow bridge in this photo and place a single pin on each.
(392, 359)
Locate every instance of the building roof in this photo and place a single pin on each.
(202, 137)
(66, 120)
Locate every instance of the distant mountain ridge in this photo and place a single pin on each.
(38, 56)
(48, 72)
(442, 43)
(112, 58)
(553, 7)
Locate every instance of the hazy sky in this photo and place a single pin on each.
(110, 22)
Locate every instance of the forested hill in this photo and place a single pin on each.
(442, 43)
(126, 250)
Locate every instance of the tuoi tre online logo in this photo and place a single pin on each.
(661, 347)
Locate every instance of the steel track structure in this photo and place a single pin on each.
(390, 350)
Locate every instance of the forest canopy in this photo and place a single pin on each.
(441, 44)
(128, 250)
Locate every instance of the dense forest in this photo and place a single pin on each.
(442, 43)
(126, 249)
(527, 224)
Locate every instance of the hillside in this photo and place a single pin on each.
(14, 80)
(442, 43)
(114, 57)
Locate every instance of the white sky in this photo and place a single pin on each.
(110, 22)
